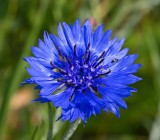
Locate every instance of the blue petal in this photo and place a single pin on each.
(61, 35)
(81, 48)
(48, 90)
(38, 60)
(40, 54)
(28, 81)
(76, 31)
(41, 100)
(102, 45)
(119, 79)
(126, 61)
(38, 70)
(94, 100)
(97, 36)
(69, 36)
(112, 98)
(131, 69)
(74, 116)
(60, 99)
(59, 44)
(119, 91)
(87, 36)
(50, 48)
(45, 81)
(88, 25)
(119, 56)
(115, 48)
(114, 109)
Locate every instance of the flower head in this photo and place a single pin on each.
(82, 71)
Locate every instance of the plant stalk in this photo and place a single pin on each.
(71, 129)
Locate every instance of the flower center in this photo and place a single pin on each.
(80, 73)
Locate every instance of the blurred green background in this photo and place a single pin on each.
(22, 22)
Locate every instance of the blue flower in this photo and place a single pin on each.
(82, 71)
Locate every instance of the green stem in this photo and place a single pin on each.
(50, 117)
(71, 129)
(34, 133)
(57, 125)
